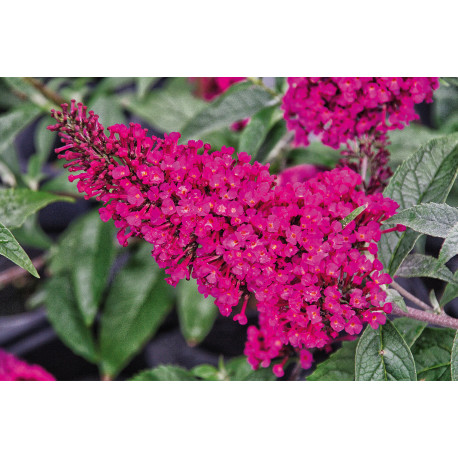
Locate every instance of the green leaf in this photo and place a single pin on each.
(450, 246)
(450, 80)
(256, 131)
(420, 265)
(238, 369)
(432, 219)
(426, 176)
(450, 291)
(409, 329)
(60, 184)
(165, 373)
(281, 84)
(11, 124)
(106, 86)
(382, 354)
(86, 252)
(340, 366)
(17, 204)
(207, 372)
(66, 318)
(393, 296)
(31, 234)
(432, 353)
(240, 101)
(137, 303)
(44, 140)
(143, 84)
(353, 215)
(274, 136)
(454, 359)
(168, 108)
(109, 110)
(196, 313)
(10, 248)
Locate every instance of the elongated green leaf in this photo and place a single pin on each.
(11, 124)
(450, 245)
(409, 329)
(165, 373)
(420, 265)
(426, 176)
(44, 140)
(256, 131)
(240, 101)
(17, 204)
(196, 313)
(168, 108)
(393, 296)
(273, 138)
(382, 354)
(432, 353)
(66, 318)
(340, 366)
(137, 303)
(353, 215)
(87, 251)
(454, 359)
(450, 291)
(10, 248)
(143, 84)
(450, 80)
(432, 219)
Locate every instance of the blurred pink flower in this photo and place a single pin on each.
(13, 369)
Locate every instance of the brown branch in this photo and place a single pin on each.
(45, 91)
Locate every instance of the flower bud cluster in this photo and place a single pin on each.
(342, 109)
(224, 222)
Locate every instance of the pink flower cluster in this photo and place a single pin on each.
(209, 87)
(13, 369)
(224, 222)
(341, 109)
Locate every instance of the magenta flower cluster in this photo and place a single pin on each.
(13, 369)
(224, 222)
(342, 109)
